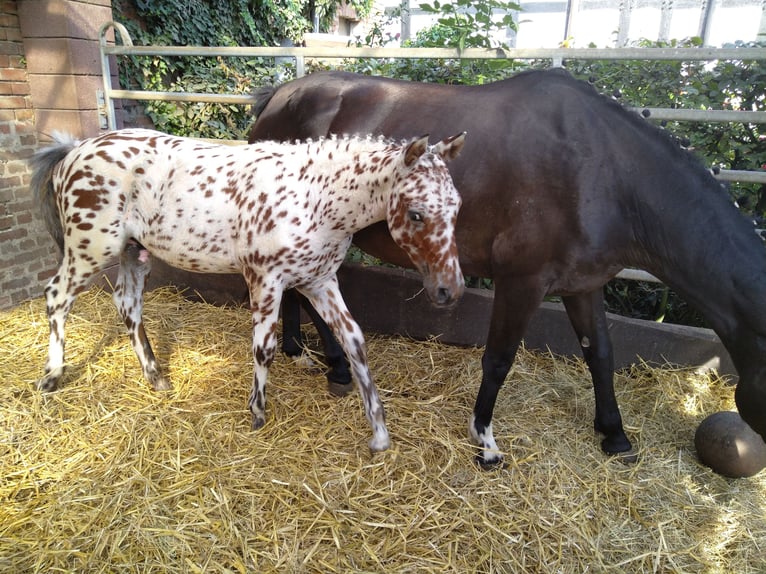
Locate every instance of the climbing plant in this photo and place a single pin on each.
(213, 23)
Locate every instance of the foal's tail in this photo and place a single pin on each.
(43, 163)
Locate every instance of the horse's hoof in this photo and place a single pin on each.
(157, 380)
(258, 422)
(339, 389)
(620, 448)
(46, 385)
(628, 457)
(496, 463)
(162, 385)
(379, 444)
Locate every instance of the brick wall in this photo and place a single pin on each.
(27, 253)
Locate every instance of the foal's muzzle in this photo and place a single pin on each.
(444, 295)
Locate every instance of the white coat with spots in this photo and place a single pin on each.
(280, 214)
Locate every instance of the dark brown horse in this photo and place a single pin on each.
(562, 188)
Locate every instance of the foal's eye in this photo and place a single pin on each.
(415, 216)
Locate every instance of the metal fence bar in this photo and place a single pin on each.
(723, 116)
(183, 97)
(683, 54)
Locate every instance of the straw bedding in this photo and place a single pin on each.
(106, 475)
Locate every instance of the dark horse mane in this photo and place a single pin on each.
(672, 143)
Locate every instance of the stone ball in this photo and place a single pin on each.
(728, 445)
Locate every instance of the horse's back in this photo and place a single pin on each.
(539, 172)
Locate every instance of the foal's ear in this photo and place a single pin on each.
(416, 148)
(450, 148)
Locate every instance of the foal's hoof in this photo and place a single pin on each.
(258, 422)
(379, 444)
(490, 463)
(159, 383)
(46, 385)
(339, 389)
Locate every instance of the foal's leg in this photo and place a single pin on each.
(264, 305)
(588, 318)
(328, 302)
(128, 297)
(60, 295)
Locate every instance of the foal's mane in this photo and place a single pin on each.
(365, 142)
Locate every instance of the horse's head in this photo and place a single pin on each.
(422, 213)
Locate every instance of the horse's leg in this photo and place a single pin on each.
(587, 315)
(338, 375)
(264, 306)
(514, 303)
(328, 302)
(292, 341)
(128, 297)
(60, 295)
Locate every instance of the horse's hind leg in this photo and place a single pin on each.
(338, 374)
(588, 318)
(60, 295)
(128, 297)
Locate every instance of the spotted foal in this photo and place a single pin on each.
(280, 214)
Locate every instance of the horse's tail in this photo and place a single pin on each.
(43, 163)
(262, 96)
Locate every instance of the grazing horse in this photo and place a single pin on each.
(562, 188)
(280, 214)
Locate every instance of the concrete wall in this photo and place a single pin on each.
(49, 74)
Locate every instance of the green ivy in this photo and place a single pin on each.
(212, 23)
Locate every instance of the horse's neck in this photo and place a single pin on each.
(355, 197)
(712, 257)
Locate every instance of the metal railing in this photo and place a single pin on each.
(300, 54)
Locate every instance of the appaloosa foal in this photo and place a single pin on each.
(280, 214)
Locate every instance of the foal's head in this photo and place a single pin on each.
(422, 213)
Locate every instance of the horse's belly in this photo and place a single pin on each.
(211, 250)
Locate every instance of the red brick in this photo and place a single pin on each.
(9, 182)
(13, 35)
(46, 275)
(15, 233)
(11, 102)
(27, 115)
(11, 48)
(13, 74)
(8, 7)
(20, 88)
